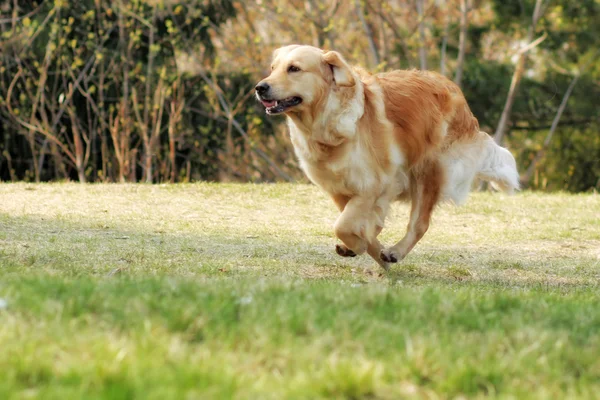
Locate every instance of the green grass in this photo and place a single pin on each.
(234, 291)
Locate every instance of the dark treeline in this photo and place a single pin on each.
(161, 91)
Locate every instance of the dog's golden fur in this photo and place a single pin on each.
(368, 140)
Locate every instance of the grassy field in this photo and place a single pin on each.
(234, 291)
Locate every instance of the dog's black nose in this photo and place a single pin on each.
(262, 88)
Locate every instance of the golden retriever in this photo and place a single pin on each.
(368, 140)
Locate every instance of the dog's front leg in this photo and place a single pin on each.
(352, 225)
(358, 227)
(374, 249)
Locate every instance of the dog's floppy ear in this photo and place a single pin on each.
(275, 52)
(342, 74)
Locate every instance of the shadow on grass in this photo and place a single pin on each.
(39, 244)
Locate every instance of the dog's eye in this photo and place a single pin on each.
(293, 68)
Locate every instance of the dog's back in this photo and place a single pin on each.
(433, 123)
(428, 110)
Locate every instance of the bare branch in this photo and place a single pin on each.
(533, 44)
(517, 75)
(17, 19)
(563, 104)
(256, 150)
(422, 46)
(368, 32)
(462, 45)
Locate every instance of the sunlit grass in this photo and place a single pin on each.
(234, 291)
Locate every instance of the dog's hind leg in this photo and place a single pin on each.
(425, 190)
(374, 250)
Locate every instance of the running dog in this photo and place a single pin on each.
(368, 140)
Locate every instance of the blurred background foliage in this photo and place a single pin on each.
(162, 90)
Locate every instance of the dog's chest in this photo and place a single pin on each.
(343, 169)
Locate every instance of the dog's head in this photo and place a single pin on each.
(300, 76)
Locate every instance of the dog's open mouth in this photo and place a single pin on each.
(279, 106)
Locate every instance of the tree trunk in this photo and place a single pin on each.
(115, 125)
(517, 75)
(422, 45)
(131, 163)
(444, 40)
(59, 164)
(8, 157)
(148, 163)
(540, 154)
(147, 128)
(31, 140)
(176, 107)
(368, 32)
(383, 40)
(104, 152)
(120, 137)
(464, 11)
(79, 148)
(173, 170)
(158, 106)
(396, 30)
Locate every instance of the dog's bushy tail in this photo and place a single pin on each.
(498, 166)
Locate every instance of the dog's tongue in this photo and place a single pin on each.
(268, 104)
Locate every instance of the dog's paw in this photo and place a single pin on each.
(384, 265)
(344, 251)
(390, 256)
